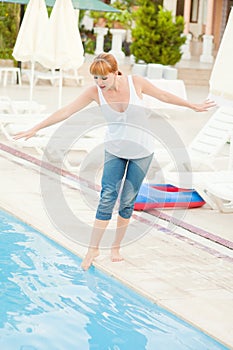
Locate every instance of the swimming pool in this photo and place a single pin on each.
(48, 303)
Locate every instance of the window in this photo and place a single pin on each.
(194, 11)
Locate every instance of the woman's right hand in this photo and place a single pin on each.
(25, 134)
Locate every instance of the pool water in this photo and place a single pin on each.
(48, 303)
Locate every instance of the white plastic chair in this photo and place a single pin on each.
(13, 72)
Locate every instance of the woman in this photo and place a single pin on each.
(115, 92)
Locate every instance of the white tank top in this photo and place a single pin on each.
(127, 134)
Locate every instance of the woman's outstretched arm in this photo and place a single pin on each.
(88, 96)
(146, 87)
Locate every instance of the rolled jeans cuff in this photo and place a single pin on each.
(103, 216)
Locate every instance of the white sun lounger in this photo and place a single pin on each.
(222, 193)
(61, 146)
(12, 123)
(9, 106)
(214, 186)
(220, 186)
(203, 182)
(206, 148)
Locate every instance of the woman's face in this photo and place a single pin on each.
(105, 82)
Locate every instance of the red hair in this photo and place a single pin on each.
(104, 64)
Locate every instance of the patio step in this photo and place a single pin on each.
(194, 76)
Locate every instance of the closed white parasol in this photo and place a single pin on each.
(62, 46)
(30, 35)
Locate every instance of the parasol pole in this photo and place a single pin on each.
(60, 89)
(22, 12)
(32, 80)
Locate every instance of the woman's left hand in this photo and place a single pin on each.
(203, 107)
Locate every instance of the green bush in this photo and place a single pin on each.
(89, 46)
(157, 36)
(124, 18)
(9, 22)
(6, 54)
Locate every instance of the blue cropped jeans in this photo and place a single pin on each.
(123, 176)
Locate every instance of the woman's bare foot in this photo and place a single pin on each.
(90, 256)
(115, 255)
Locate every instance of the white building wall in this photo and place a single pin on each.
(170, 5)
